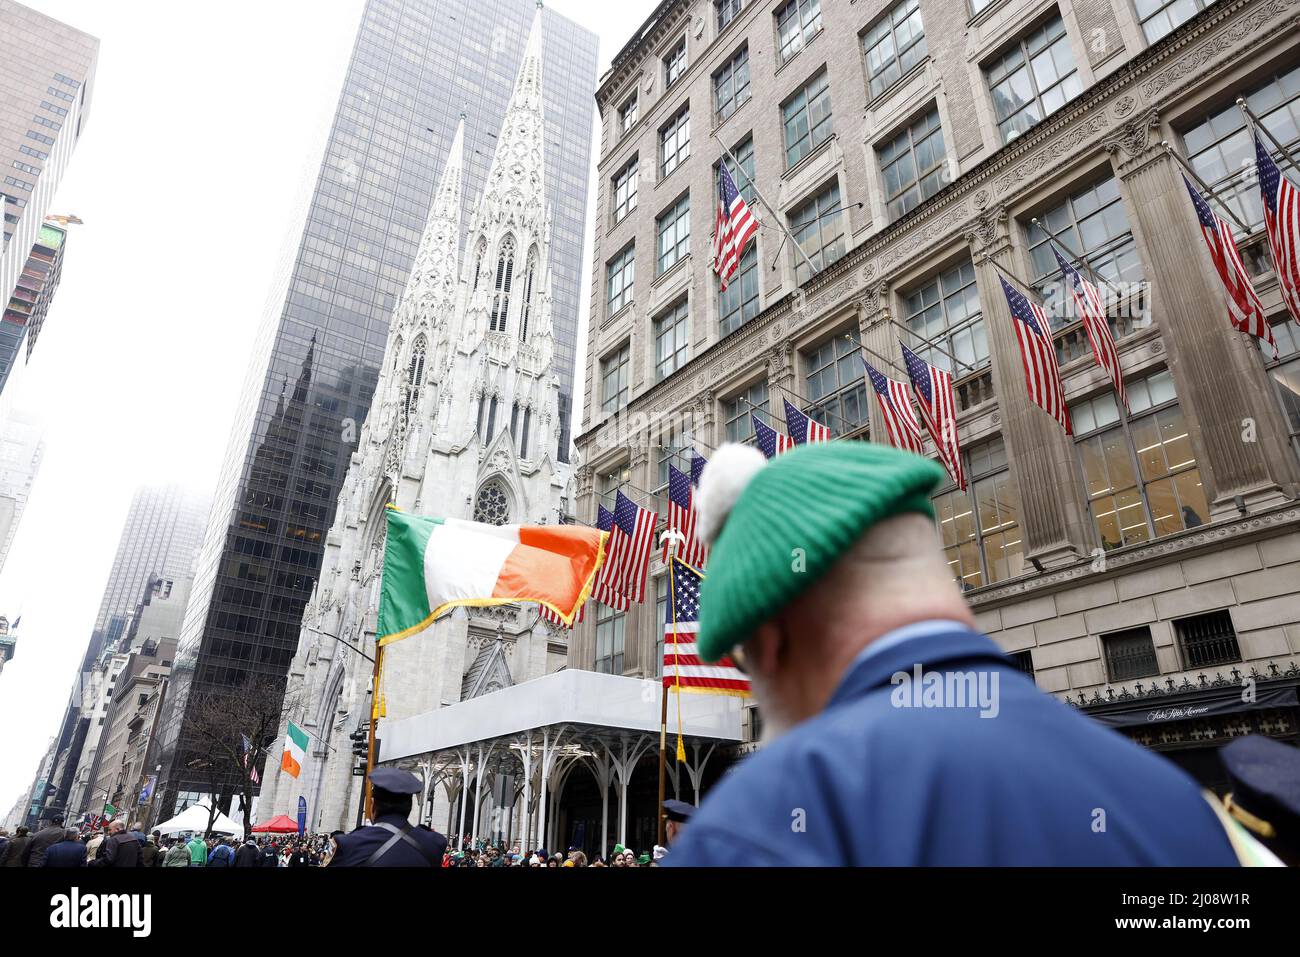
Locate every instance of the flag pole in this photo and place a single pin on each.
(1187, 168)
(1010, 275)
(772, 209)
(1256, 126)
(374, 720)
(663, 716)
(874, 354)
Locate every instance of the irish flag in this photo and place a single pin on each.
(432, 564)
(295, 750)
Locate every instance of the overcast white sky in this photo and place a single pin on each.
(197, 142)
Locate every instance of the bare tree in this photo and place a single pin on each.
(220, 718)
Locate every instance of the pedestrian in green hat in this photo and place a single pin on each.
(896, 733)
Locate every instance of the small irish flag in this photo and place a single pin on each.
(431, 564)
(295, 750)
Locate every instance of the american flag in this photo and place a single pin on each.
(1282, 221)
(637, 526)
(733, 229)
(933, 390)
(555, 619)
(802, 428)
(1038, 354)
(1245, 310)
(681, 516)
(698, 462)
(604, 589)
(248, 749)
(1093, 313)
(896, 406)
(770, 442)
(683, 668)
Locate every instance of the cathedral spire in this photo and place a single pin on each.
(435, 262)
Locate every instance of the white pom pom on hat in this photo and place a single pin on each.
(725, 477)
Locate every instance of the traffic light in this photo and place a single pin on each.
(360, 743)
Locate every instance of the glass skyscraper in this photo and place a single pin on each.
(416, 66)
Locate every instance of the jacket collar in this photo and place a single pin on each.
(870, 671)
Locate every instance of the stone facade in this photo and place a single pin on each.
(464, 423)
(1071, 581)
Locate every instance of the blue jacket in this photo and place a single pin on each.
(66, 854)
(355, 849)
(868, 782)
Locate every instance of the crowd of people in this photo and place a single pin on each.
(120, 844)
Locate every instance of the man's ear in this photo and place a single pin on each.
(767, 647)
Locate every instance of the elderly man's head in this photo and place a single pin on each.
(815, 555)
(116, 827)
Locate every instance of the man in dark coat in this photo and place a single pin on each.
(51, 834)
(391, 841)
(270, 855)
(69, 852)
(248, 855)
(899, 735)
(119, 849)
(17, 849)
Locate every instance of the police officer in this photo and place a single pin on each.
(677, 814)
(1265, 797)
(391, 841)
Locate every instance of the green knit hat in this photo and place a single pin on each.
(818, 498)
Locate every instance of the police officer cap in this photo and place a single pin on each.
(678, 810)
(1265, 777)
(395, 781)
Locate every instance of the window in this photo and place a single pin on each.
(56, 110)
(620, 276)
(614, 380)
(674, 449)
(674, 231)
(675, 63)
(67, 80)
(627, 115)
(672, 341)
(1160, 17)
(980, 529)
(523, 436)
(1130, 654)
(912, 165)
(609, 639)
(894, 46)
(807, 119)
(1139, 469)
(1286, 376)
(1033, 78)
(415, 373)
(1093, 219)
(26, 168)
(1219, 147)
(61, 94)
(796, 23)
(836, 384)
(1023, 661)
(492, 506)
(501, 294)
(736, 412)
(40, 137)
(1207, 640)
(47, 122)
(675, 142)
(727, 11)
(625, 191)
(526, 311)
(739, 303)
(19, 183)
(28, 151)
(731, 84)
(818, 228)
(946, 311)
(744, 176)
(661, 616)
(977, 5)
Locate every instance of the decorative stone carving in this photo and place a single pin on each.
(1134, 137)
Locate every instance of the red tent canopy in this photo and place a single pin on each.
(277, 825)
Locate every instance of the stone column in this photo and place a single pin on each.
(878, 333)
(1223, 391)
(1053, 510)
(781, 382)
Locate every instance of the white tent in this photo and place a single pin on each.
(195, 819)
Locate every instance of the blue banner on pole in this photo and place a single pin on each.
(302, 814)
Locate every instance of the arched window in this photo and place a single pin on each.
(492, 420)
(415, 374)
(478, 262)
(514, 421)
(523, 439)
(529, 272)
(505, 272)
(493, 504)
(482, 407)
